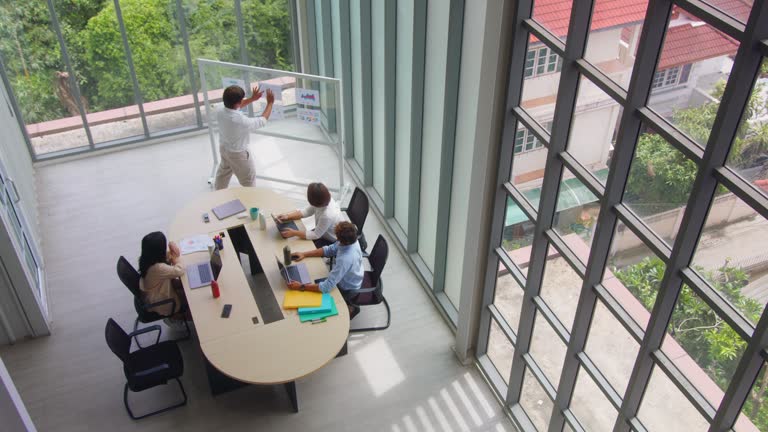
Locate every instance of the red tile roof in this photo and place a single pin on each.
(709, 43)
(687, 44)
(554, 14)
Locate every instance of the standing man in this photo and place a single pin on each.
(235, 133)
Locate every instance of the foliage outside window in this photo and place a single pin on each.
(32, 55)
(714, 345)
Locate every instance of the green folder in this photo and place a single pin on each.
(320, 315)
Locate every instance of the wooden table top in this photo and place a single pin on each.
(273, 353)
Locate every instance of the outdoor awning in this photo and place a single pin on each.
(572, 194)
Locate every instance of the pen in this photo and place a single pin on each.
(318, 321)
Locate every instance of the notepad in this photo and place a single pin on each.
(296, 299)
(324, 307)
(320, 315)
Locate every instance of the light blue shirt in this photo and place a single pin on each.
(348, 270)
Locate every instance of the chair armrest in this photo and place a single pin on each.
(172, 302)
(365, 290)
(147, 330)
(152, 370)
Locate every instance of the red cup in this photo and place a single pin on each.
(215, 289)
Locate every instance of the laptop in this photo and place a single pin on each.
(297, 272)
(284, 225)
(202, 274)
(228, 209)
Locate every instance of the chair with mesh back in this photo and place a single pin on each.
(146, 367)
(144, 313)
(357, 211)
(372, 291)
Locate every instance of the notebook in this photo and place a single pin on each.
(228, 209)
(324, 307)
(296, 299)
(320, 315)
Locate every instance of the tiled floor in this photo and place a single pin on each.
(93, 210)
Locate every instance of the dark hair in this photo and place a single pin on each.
(318, 195)
(232, 96)
(346, 233)
(153, 251)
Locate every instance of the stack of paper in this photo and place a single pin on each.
(311, 316)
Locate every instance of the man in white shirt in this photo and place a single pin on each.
(327, 214)
(235, 133)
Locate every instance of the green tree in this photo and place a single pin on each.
(149, 28)
(711, 342)
(267, 28)
(661, 176)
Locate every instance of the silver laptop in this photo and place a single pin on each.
(202, 274)
(296, 272)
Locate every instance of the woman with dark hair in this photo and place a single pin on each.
(327, 214)
(160, 270)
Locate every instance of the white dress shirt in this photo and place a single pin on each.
(326, 219)
(235, 129)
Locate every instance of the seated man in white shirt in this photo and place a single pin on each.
(327, 214)
(234, 135)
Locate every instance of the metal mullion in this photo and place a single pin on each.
(367, 82)
(567, 95)
(674, 374)
(295, 44)
(244, 49)
(188, 57)
(131, 68)
(521, 10)
(346, 75)
(722, 307)
(511, 267)
(532, 125)
(390, 59)
(619, 313)
(602, 81)
(744, 377)
(566, 252)
(539, 375)
(642, 74)
(520, 418)
(714, 17)
(583, 175)
(72, 81)
(600, 380)
(501, 321)
(545, 36)
(16, 112)
(504, 157)
(448, 137)
(743, 189)
(417, 120)
(674, 137)
(551, 318)
(636, 425)
(572, 421)
(521, 201)
(737, 93)
(643, 232)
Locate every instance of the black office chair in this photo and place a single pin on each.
(146, 367)
(130, 278)
(357, 211)
(372, 292)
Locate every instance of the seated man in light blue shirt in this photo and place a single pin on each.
(347, 272)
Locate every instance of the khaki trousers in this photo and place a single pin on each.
(238, 163)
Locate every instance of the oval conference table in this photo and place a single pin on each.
(250, 347)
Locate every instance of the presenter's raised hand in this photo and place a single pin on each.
(270, 97)
(256, 93)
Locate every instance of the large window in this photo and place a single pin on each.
(96, 73)
(627, 291)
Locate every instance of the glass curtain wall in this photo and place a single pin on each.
(399, 62)
(626, 284)
(97, 73)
